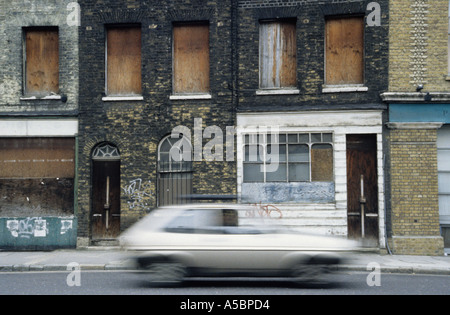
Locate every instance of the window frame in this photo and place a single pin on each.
(114, 96)
(443, 150)
(263, 143)
(288, 89)
(46, 95)
(173, 166)
(186, 95)
(331, 87)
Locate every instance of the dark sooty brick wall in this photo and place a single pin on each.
(137, 127)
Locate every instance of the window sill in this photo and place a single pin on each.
(180, 97)
(278, 92)
(39, 98)
(344, 88)
(122, 98)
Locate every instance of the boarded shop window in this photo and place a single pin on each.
(322, 163)
(277, 55)
(191, 58)
(41, 61)
(302, 157)
(123, 49)
(37, 176)
(344, 51)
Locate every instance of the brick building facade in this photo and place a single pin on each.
(38, 124)
(351, 95)
(315, 71)
(418, 101)
(184, 72)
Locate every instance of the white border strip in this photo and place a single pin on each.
(38, 127)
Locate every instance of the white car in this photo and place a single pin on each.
(176, 242)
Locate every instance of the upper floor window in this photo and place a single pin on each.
(123, 60)
(41, 69)
(191, 58)
(344, 52)
(277, 55)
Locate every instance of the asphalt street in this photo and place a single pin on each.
(130, 283)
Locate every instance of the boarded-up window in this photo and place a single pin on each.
(191, 58)
(37, 158)
(124, 60)
(277, 55)
(344, 51)
(37, 176)
(322, 163)
(41, 61)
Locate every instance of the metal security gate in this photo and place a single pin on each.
(174, 171)
(174, 187)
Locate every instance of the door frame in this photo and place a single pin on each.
(103, 152)
(367, 220)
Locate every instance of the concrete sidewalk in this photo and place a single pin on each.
(115, 259)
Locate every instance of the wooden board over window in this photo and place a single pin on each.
(322, 163)
(124, 60)
(191, 58)
(345, 51)
(42, 61)
(278, 54)
(37, 158)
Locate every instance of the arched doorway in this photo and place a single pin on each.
(105, 214)
(174, 171)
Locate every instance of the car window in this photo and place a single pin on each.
(183, 223)
(204, 221)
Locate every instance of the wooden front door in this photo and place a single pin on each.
(105, 199)
(362, 187)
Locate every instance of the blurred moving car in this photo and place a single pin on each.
(176, 242)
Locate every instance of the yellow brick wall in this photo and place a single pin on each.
(414, 192)
(428, 246)
(399, 45)
(437, 64)
(408, 18)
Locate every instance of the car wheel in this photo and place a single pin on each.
(166, 274)
(309, 274)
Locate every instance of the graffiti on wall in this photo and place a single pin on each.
(28, 227)
(66, 226)
(139, 194)
(267, 211)
(34, 227)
